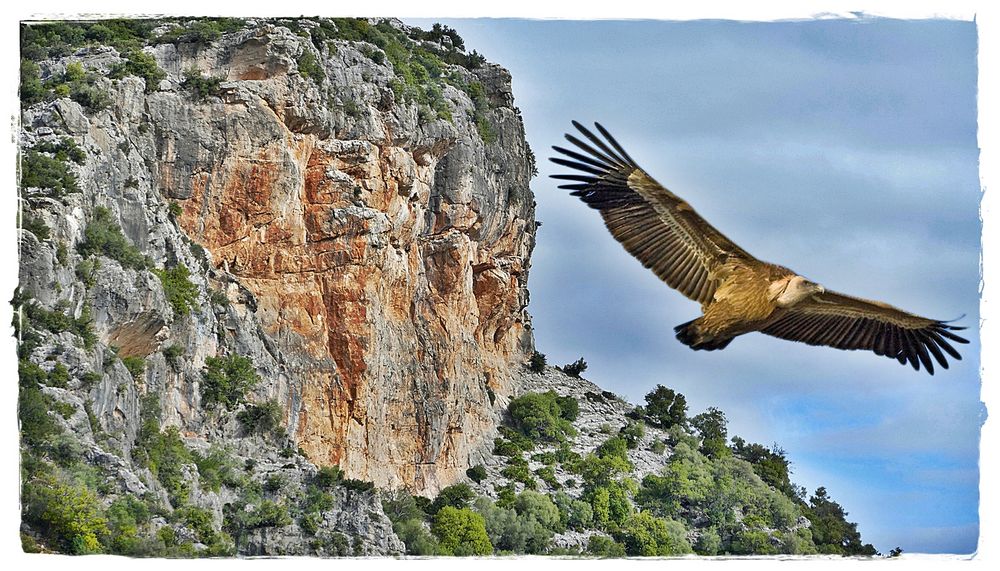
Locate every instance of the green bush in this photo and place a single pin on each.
(543, 416)
(477, 473)
(172, 355)
(457, 496)
(666, 408)
(36, 226)
(604, 546)
(199, 88)
(262, 418)
(576, 368)
(461, 532)
(136, 366)
(328, 476)
(64, 150)
(47, 173)
(143, 65)
(226, 380)
(537, 362)
(644, 534)
(310, 67)
(181, 292)
(104, 237)
(215, 469)
(69, 515)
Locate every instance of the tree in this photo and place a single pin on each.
(456, 495)
(226, 380)
(537, 362)
(461, 532)
(711, 425)
(665, 407)
(644, 534)
(831, 531)
(575, 368)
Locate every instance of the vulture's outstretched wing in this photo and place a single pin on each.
(655, 225)
(846, 322)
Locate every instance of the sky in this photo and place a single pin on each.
(843, 149)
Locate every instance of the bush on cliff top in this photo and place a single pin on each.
(226, 380)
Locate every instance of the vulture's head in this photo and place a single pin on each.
(790, 291)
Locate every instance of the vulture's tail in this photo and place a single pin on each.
(689, 334)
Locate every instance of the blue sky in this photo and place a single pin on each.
(845, 150)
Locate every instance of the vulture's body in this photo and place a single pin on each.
(738, 293)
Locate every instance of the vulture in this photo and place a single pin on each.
(738, 293)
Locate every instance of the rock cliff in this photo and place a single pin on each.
(348, 205)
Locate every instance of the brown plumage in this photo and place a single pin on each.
(737, 292)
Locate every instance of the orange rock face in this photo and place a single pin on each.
(396, 288)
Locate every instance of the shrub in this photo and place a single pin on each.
(604, 546)
(575, 368)
(632, 434)
(226, 380)
(36, 226)
(171, 354)
(548, 475)
(537, 362)
(37, 427)
(461, 532)
(261, 418)
(59, 376)
(47, 173)
(143, 65)
(166, 454)
(310, 67)
(177, 286)
(477, 473)
(136, 366)
(328, 476)
(666, 408)
(64, 150)
(69, 515)
(354, 485)
(456, 496)
(199, 88)
(644, 534)
(103, 236)
(215, 469)
(542, 417)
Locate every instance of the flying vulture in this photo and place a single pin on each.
(738, 293)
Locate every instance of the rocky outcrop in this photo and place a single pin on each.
(387, 256)
(367, 253)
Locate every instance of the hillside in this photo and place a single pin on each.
(272, 289)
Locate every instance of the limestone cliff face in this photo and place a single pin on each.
(374, 252)
(387, 255)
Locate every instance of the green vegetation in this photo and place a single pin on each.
(310, 67)
(664, 408)
(264, 418)
(575, 368)
(75, 82)
(36, 226)
(172, 354)
(51, 174)
(226, 380)
(136, 366)
(56, 320)
(68, 514)
(64, 150)
(181, 292)
(201, 31)
(461, 532)
(537, 362)
(142, 65)
(544, 417)
(104, 237)
(199, 88)
(477, 473)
